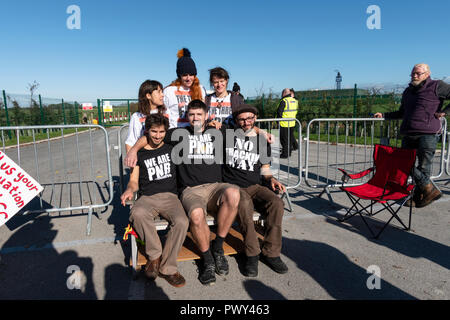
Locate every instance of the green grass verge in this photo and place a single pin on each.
(38, 136)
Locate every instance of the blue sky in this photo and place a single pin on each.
(265, 45)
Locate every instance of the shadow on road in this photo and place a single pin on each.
(259, 291)
(407, 243)
(119, 219)
(31, 268)
(334, 272)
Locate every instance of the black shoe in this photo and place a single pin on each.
(207, 275)
(275, 264)
(251, 267)
(221, 263)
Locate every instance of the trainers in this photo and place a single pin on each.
(275, 264)
(221, 263)
(207, 275)
(251, 267)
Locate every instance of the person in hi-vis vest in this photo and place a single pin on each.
(287, 109)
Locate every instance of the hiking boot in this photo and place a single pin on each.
(151, 268)
(275, 264)
(207, 276)
(430, 194)
(251, 266)
(221, 263)
(176, 280)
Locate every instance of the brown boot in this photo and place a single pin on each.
(152, 268)
(430, 193)
(176, 280)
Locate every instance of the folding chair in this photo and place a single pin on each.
(388, 185)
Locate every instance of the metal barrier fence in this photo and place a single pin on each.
(289, 171)
(447, 158)
(348, 143)
(66, 160)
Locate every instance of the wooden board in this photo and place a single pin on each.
(233, 244)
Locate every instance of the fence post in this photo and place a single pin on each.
(76, 112)
(41, 110)
(355, 91)
(6, 113)
(64, 112)
(99, 113)
(128, 102)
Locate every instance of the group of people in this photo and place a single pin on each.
(192, 155)
(186, 165)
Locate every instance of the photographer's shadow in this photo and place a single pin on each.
(32, 268)
(334, 272)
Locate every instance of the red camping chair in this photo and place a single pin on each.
(388, 186)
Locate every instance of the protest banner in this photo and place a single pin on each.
(17, 188)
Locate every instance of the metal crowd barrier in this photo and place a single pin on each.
(121, 156)
(289, 171)
(71, 162)
(348, 144)
(447, 158)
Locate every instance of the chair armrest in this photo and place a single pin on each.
(346, 176)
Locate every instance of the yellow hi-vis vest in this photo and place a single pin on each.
(290, 111)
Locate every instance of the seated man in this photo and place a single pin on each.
(247, 159)
(155, 178)
(199, 173)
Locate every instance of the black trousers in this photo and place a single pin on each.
(287, 140)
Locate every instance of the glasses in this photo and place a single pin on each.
(417, 73)
(246, 119)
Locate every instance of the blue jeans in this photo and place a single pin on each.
(425, 144)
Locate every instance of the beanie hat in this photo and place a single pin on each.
(236, 87)
(185, 64)
(244, 108)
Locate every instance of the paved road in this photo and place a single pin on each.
(326, 259)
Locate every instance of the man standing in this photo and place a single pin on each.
(420, 110)
(155, 178)
(287, 108)
(200, 186)
(247, 164)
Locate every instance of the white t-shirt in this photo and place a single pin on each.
(219, 108)
(137, 126)
(176, 100)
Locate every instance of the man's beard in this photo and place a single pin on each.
(249, 129)
(416, 83)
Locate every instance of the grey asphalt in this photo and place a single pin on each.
(327, 259)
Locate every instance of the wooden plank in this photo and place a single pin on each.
(233, 244)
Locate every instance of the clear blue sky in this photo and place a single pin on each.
(263, 44)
